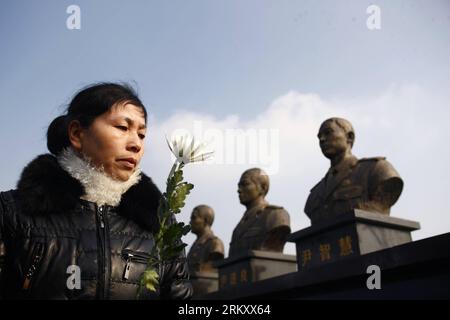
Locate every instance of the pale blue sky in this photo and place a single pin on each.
(221, 56)
(217, 58)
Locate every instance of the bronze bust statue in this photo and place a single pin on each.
(263, 227)
(370, 184)
(207, 247)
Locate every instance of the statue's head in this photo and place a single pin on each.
(254, 183)
(202, 216)
(336, 136)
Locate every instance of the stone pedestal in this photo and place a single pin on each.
(204, 283)
(253, 266)
(418, 270)
(354, 233)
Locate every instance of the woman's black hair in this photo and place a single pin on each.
(89, 103)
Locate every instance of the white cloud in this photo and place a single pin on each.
(406, 123)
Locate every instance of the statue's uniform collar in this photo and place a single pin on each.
(255, 211)
(346, 163)
(205, 237)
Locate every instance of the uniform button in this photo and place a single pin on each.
(325, 206)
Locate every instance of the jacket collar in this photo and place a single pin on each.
(45, 187)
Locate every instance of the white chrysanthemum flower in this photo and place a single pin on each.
(187, 150)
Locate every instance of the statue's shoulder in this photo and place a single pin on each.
(377, 164)
(380, 168)
(215, 244)
(372, 159)
(276, 212)
(274, 207)
(276, 216)
(372, 163)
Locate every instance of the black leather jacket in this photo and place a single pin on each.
(50, 239)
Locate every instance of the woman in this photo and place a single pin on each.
(80, 223)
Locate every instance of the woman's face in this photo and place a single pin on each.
(115, 140)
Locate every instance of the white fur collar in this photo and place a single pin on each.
(99, 186)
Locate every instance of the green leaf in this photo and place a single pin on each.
(176, 200)
(173, 232)
(149, 279)
(173, 251)
(174, 181)
(186, 229)
(168, 244)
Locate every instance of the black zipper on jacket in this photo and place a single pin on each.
(104, 255)
(36, 257)
(131, 256)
